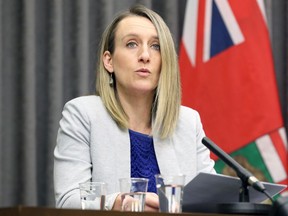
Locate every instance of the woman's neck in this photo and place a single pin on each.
(138, 110)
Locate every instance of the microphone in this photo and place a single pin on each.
(242, 173)
(279, 207)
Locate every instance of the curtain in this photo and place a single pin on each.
(277, 12)
(48, 54)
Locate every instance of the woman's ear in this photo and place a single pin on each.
(107, 61)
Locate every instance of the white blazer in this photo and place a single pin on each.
(90, 145)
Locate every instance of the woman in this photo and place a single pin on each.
(134, 126)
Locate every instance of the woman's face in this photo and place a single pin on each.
(136, 61)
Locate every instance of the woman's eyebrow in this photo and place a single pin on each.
(137, 35)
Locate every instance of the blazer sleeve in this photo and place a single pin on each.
(204, 161)
(72, 154)
(72, 161)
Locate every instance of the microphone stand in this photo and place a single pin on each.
(244, 193)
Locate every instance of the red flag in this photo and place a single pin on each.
(228, 75)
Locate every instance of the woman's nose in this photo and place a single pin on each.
(144, 54)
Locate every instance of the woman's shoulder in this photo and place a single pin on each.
(88, 99)
(188, 116)
(87, 104)
(189, 119)
(187, 111)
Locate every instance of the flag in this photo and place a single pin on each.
(228, 76)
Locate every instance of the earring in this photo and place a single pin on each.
(111, 81)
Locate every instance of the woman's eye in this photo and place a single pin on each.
(156, 46)
(131, 44)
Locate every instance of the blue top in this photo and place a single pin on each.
(143, 159)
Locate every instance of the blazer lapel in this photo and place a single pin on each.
(166, 156)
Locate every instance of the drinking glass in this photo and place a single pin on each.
(170, 192)
(92, 195)
(133, 193)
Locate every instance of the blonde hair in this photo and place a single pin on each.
(167, 100)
